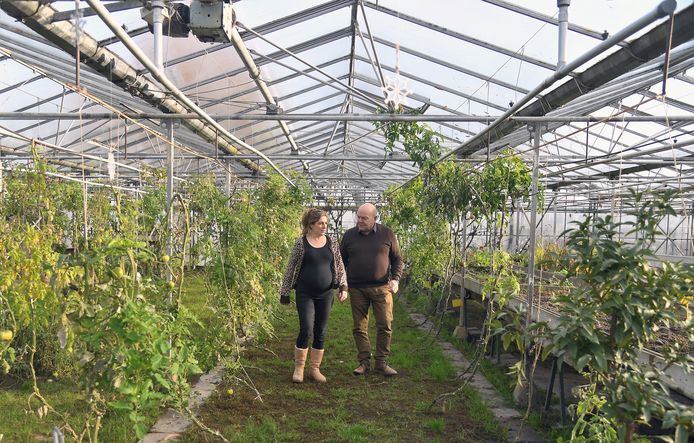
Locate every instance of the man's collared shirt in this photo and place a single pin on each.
(371, 231)
(371, 258)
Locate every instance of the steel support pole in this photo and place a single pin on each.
(690, 225)
(511, 230)
(169, 194)
(668, 235)
(78, 31)
(550, 388)
(85, 219)
(554, 222)
(228, 177)
(522, 390)
(462, 321)
(533, 226)
(463, 311)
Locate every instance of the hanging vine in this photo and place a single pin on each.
(421, 143)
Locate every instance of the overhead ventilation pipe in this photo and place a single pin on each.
(157, 31)
(254, 73)
(645, 47)
(123, 36)
(563, 6)
(39, 17)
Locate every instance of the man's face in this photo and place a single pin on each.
(365, 220)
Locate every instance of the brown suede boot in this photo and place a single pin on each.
(314, 368)
(384, 369)
(299, 363)
(363, 368)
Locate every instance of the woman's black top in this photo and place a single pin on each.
(316, 275)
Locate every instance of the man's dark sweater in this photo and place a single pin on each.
(371, 259)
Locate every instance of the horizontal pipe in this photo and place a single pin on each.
(342, 117)
(544, 160)
(618, 157)
(37, 16)
(116, 28)
(662, 10)
(254, 73)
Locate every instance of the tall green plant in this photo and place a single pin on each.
(451, 191)
(616, 311)
(505, 182)
(246, 238)
(135, 352)
(424, 237)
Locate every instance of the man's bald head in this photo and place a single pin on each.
(370, 208)
(366, 217)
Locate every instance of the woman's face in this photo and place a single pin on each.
(320, 227)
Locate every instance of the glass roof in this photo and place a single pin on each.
(456, 58)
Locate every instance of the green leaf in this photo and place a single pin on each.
(156, 361)
(162, 381)
(127, 389)
(681, 434)
(600, 360)
(582, 361)
(140, 430)
(120, 405)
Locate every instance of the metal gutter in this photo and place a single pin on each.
(554, 99)
(644, 48)
(348, 117)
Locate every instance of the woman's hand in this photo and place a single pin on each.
(342, 296)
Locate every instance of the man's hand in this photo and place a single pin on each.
(342, 296)
(393, 285)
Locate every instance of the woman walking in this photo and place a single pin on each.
(314, 270)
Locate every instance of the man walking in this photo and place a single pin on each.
(371, 255)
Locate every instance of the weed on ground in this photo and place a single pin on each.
(347, 408)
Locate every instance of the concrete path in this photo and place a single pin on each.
(172, 424)
(506, 416)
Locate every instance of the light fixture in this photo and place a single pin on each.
(212, 21)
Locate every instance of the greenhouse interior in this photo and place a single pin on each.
(509, 185)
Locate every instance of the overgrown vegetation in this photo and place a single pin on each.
(346, 408)
(88, 294)
(614, 313)
(614, 308)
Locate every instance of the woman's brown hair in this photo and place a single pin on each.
(311, 216)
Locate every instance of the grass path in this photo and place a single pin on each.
(346, 408)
